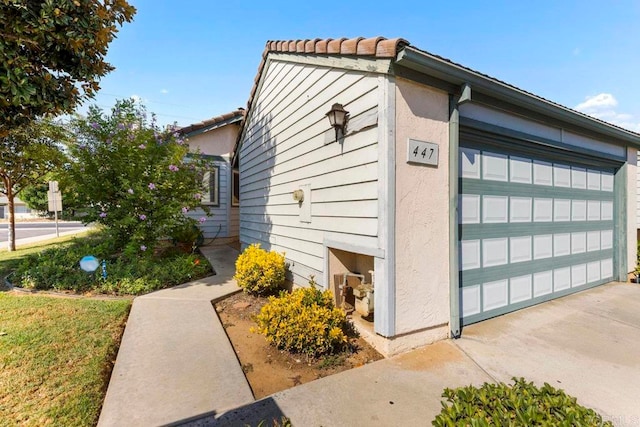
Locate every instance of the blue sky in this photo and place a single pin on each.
(191, 60)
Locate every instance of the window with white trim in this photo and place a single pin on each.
(211, 183)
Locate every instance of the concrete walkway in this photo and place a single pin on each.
(175, 361)
(176, 366)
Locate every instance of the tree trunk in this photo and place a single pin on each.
(11, 229)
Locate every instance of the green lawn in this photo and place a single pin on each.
(56, 356)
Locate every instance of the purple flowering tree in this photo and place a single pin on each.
(133, 177)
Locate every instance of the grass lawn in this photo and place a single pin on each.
(29, 248)
(56, 356)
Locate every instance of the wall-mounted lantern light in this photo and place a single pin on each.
(338, 118)
(298, 195)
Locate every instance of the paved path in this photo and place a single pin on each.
(176, 366)
(175, 361)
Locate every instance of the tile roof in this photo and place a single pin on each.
(228, 117)
(380, 47)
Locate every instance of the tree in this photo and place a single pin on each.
(28, 153)
(52, 54)
(35, 196)
(133, 177)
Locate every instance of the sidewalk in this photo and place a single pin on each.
(175, 361)
(176, 366)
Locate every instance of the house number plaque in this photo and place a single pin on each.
(421, 152)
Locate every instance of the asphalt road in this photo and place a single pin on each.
(36, 229)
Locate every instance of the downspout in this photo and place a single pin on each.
(455, 100)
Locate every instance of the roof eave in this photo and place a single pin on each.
(457, 75)
(207, 128)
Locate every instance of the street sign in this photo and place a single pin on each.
(55, 200)
(54, 197)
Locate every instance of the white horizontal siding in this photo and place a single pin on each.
(285, 146)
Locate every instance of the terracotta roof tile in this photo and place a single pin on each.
(368, 46)
(350, 47)
(321, 46)
(334, 45)
(374, 47)
(239, 113)
(310, 46)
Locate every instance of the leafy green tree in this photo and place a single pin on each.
(133, 177)
(27, 154)
(35, 196)
(52, 54)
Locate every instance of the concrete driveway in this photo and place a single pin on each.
(587, 344)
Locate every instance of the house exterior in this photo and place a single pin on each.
(215, 139)
(458, 196)
(21, 210)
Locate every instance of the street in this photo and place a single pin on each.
(37, 229)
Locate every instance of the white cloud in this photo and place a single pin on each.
(602, 100)
(603, 107)
(164, 91)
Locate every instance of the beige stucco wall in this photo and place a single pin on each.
(422, 211)
(216, 142)
(632, 207)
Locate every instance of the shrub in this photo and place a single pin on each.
(520, 404)
(57, 268)
(187, 233)
(260, 272)
(133, 177)
(303, 321)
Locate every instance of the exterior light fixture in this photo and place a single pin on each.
(298, 195)
(338, 118)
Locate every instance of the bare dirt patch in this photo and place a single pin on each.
(270, 370)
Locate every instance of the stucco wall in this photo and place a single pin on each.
(216, 142)
(422, 211)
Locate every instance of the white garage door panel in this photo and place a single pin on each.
(531, 229)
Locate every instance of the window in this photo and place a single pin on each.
(235, 193)
(211, 182)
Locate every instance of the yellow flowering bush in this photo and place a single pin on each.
(303, 321)
(260, 272)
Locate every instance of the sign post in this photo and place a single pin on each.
(55, 202)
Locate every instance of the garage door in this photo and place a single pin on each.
(531, 228)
